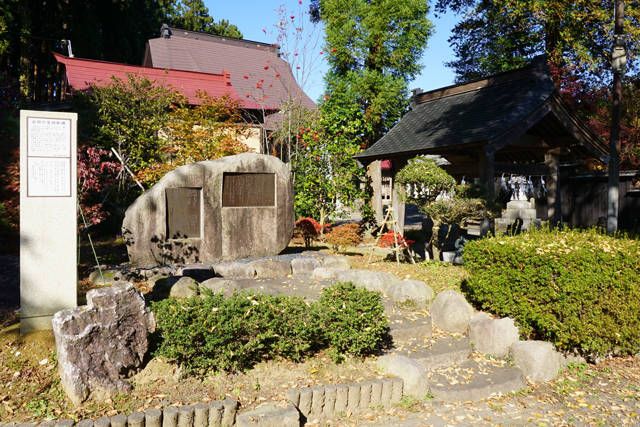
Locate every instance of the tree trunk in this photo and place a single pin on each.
(436, 247)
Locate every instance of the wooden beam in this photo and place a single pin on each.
(488, 168)
(398, 206)
(554, 199)
(375, 172)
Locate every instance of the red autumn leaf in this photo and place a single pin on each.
(261, 80)
(268, 60)
(320, 52)
(297, 68)
(246, 77)
(326, 97)
(292, 16)
(247, 95)
(277, 74)
(266, 96)
(266, 67)
(333, 50)
(270, 85)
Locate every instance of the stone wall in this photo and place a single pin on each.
(186, 218)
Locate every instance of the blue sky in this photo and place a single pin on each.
(253, 16)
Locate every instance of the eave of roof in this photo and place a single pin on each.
(82, 73)
(491, 112)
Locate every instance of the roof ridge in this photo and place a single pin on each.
(213, 38)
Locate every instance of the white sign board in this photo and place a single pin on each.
(48, 217)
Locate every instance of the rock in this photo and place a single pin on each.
(282, 414)
(326, 273)
(538, 360)
(451, 312)
(218, 285)
(229, 208)
(443, 352)
(107, 278)
(411, 294)
(304, 265)
(413, 375)
(266, 268)
(377, 281)
(235, 269)
(336, 262)
(101, 343)
(185, 287)
(198, 272)
(492, 336)
(452, 257)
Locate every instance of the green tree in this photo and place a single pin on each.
(373, 49)
(501, 35)
(326, 178)
(437, 195)
(193, 15)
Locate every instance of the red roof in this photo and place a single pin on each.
(256, 68)
(82, 73)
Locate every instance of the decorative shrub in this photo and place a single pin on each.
(387, 240)
(210, 332)
(352, 320)
(344, 236)
(308, 228)
(577, 289)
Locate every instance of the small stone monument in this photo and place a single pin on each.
(522, 213)
(234, 207)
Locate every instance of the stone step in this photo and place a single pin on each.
(432, 354)
(403, 328)
(472, 381)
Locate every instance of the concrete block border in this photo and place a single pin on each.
(333, 401)
(321, 402)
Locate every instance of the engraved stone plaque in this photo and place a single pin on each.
(248, 190)
(183, 213)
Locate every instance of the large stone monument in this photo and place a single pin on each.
(235, 207)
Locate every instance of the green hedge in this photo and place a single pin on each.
(577, 289)
(211, 332)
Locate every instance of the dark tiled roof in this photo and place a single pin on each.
(256, 69)
(493, 111)
(81, 73)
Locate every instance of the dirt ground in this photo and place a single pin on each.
(603, 394)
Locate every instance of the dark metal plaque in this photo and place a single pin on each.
(183, 213)
(248, 190)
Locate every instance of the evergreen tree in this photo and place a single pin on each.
(373, 49)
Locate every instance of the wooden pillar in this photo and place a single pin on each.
(488, 168)
(375, 172)
(554, 199)
(398, 207)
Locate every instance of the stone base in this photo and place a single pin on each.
(502, 224)
(33, 324)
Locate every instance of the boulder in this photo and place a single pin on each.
(538, 360)
(266, 268)
(198, 272)
(411, 294)
(102, 343)
(451, 312)
(326, 273)
(218, 285)
(235, 269)
(336, 262)
(304, 265)
(413, 375)
(185, 287)
(229, 208)
(492, 336)
(377, 281)
(174, 286)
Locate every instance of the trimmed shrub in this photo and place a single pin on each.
(389, 241)
(576, 289)
(352, 320)
(344, 236)
(210, 332)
